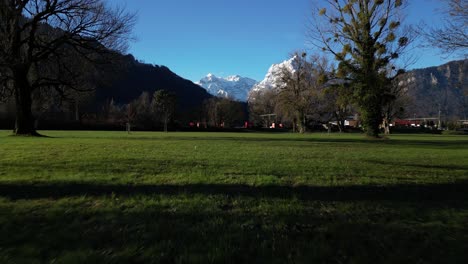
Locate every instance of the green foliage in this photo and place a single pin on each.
(453, 125)
(403, 41)
(454, 132)
(164, 100)
(347, 8)
(362, 38)
(109, 197)
(394, 24)
(390, 37)
(164, 104)
(323, 11)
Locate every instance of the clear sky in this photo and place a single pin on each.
(244, 37)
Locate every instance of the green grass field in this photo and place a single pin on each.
(109, 197)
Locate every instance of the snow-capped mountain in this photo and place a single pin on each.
(273, 77)
(235, 86)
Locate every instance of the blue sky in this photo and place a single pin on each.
(197, 37)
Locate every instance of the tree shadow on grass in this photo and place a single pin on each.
(455, 144)
(119, 231)
(411, 192)
(421, 166)
(34, 135)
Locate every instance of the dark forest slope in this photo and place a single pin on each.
(131, 78)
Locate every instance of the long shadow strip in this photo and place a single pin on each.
(435, 192)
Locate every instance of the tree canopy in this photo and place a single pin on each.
(452, 36)
(365, 37)
(49, 44)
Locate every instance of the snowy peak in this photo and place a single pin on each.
(235, 86)
(239, 87)
(273, 77)
(235, 78)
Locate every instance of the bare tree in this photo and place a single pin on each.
(44, 42)
(302, 88)
(262, 102)
(223, 112)
(338, 101)
(452, 37)
(210, 112)
(395, 102)
(364, 36)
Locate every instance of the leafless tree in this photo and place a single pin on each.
(338, 101)
(48, 44)
(262, 102)
(395, 104)
(452, 37)
(302, 88)
(223, 112)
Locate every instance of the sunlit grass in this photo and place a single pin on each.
(232, 197)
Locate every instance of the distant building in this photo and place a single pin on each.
(416, 122)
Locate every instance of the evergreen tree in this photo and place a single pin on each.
(164, 104)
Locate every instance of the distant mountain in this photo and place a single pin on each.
(131, 78)
(122, 82)
(235, 87)
(240, 88)
(442, 88)
(273, 77)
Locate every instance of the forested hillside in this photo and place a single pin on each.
(443, 88)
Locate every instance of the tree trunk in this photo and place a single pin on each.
(24, 124)
(371, 119)
(77, 112)
(372, 109)
(341, 125)
(339, 121)
(372, 128)
(165, 123)
(302, 122)
(386, 123)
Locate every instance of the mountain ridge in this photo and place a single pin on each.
(438, 90)
(273, 76)
(233, 86)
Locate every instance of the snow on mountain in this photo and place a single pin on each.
(235, 86)
(273, 77)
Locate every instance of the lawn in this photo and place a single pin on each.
(110, 197)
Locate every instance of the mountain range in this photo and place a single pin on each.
(239, 88)
(434, 90)
(431, 90)
(235, 87)
(438, 90)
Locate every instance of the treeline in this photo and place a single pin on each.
(305, 97)
(160, 110)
